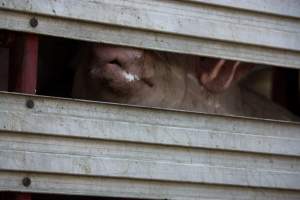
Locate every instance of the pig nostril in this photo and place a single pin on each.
(115, 62)
(148, 82)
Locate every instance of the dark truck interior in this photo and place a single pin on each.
(55, 73)
(11, 195)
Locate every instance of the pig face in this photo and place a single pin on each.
(119, 69)
(133, 76)
(128, 75)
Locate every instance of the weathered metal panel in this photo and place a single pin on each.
(187, 27)
(174, 17)
(105, 186)
(76, 147)
(289, 8)
(137, 161)
(154, 126)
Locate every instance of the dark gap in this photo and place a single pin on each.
(56, 72)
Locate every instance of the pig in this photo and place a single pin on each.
(134, 76)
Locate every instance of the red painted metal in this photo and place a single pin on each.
(26, 76)
(23, 196)
(22, 70)
(23, 63)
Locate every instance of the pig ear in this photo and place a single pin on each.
(217, 75)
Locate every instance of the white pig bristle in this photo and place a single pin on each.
(130, 77)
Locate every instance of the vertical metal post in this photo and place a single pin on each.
(23, 64)
(23, 72)
(27, 76)
(23, 196)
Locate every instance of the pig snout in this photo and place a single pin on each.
(113, 63)
(117, 65)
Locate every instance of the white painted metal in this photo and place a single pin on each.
(178, 26)
(175, 18)
(137, 161)
(289, 8)
(138, 188)
(163, 127)
(80, 147)
(105, 186)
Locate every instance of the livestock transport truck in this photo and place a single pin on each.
(56, 147)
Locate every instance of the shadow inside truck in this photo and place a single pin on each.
(56, 77)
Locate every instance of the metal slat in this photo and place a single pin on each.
(30, 153)
(193, 28)
(290, 8)
(155, 126)
(178, 18)
(74, 147)
(104, 186)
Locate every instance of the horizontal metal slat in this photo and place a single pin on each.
(174, 17)
(109, 187)
(154, 126)
(289, 8)
(31, 153)
(187, 28)
(73, 147)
